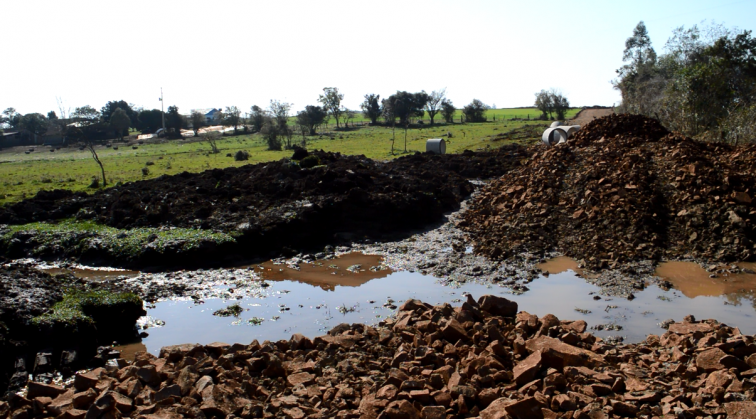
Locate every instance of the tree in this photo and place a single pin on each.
(543, 102)
(233, 116)
(406, 105)
(257, 118)
(271, 133)
(475, 111)
(639, 70)
(35, 123)
(560, 104)
(86, 114)
(174, 121)
(389, 116)
(211, 137)
(311, 117)
(11, 117)
(150, 121)
(198, 121)
(331, 100)
(448, 110)
(51, 115)
(347, 115)
(80, 132)
(280, 112)
(120, 122)
(435, 100)
(107, 111)
(371, 107)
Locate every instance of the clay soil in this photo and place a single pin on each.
(623, 189)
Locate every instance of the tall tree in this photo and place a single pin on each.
(371, 107)
(198, 121)
(107, 111)
(560, 104)
(233, 116)
(407, 105)
(120, 122)
(11, 117)
(331, 101)
(35, 123)
(257, 117)
(151, 120)
(433, 106)
(52, 115)
(311, 117)
(86, 113)
(280, 112)
(174, 121)
(448, 110)
(543, 102)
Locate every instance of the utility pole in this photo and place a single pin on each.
(162, 110)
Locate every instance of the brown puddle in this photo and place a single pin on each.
(694, 281)
(128, 350)
(91, 273)
(560, 264)
(327, 274)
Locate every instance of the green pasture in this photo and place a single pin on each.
(491, 114)
(23, 175)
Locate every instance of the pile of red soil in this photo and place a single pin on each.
(623, 190)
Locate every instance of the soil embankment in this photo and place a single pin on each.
(587, 115)
(623, 189)
(483, 359)
(267, 207)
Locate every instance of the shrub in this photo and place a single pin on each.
(241, 155)
(309, 161)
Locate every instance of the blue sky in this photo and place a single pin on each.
(221, 53)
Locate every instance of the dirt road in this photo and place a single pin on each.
(587, 115)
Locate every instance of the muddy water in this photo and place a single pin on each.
(350, 270)
(560, 264)
(311, 306)
(694, 281)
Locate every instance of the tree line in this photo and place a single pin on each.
(704, 84)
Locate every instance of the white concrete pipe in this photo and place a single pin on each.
(556, 124)
(554, 136)
(569, 130)
(436, 145)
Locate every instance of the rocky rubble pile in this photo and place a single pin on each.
(622, 190)
(483, 359)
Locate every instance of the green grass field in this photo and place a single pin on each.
(23, 175)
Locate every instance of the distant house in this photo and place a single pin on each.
(54, 136)
(212, 115)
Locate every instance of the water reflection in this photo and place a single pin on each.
(351, 270)
(305, 306)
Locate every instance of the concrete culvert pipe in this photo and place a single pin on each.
(554, 136)
(436, 145)
(556, 124)
(569, 130)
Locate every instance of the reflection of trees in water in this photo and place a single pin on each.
(737, 299)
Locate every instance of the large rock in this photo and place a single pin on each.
(498, 306)
(526, 371)
(558, 354)
(519, 409)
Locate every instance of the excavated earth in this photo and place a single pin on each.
(270, 207)
(624, 189)
(481, 360)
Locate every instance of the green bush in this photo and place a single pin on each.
(309, 161)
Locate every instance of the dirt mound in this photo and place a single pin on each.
(624, 125)
(483, 359)
(607, 199)
(279, 204)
